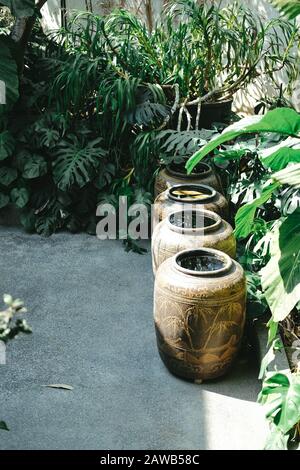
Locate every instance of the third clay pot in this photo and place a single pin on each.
(184, 230)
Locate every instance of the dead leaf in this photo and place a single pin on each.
(61, 386)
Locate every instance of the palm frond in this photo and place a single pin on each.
(182, 144)
(290, 8)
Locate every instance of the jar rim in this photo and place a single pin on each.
(215, 255)
(201, 215)
(207, 170)
(208, 193)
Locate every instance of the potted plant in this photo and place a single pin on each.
(201, 55)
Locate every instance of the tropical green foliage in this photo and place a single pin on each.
(75, 164)
(281, 396)
(268, 226)
(246, 214)
(291, 8)
(281, 276)
(211, 49)
(288, 151)
(7, 145)
(283, 121)
(101, 99)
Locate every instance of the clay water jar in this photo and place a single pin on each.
(191, 229)
(171, 201)
(176, 174)
(199, 312)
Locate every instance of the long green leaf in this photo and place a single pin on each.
(281, 276)
(278, 157)
(269, 357)
(245, 216)
(282, 120)
(290, 8)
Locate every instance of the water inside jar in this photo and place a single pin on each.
(191, 220)
(200, 262)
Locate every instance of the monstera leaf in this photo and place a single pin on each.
(34, 167)
(9, 82)
(7, 145)
(281, 396)
(20, 8)
(284, 121)
(76, 164)
(147, 113)
(281, 276)
(20, 196)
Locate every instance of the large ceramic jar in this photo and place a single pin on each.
(199, 312)
(176, 174)
(189, 197)
(190, 230)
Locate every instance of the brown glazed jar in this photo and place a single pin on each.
(199, 312)
(176, 174)
(169, 201)
(191, 230)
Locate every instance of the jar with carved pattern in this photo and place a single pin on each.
(175, 173)
(199, 312)
(189, 197)
(191, 229)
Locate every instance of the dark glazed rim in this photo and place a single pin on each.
(225, 259)
(210, 193)
(198, 230)
(207, 171)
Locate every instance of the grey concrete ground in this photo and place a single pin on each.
(91, 310)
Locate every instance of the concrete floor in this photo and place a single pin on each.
(90, 307)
